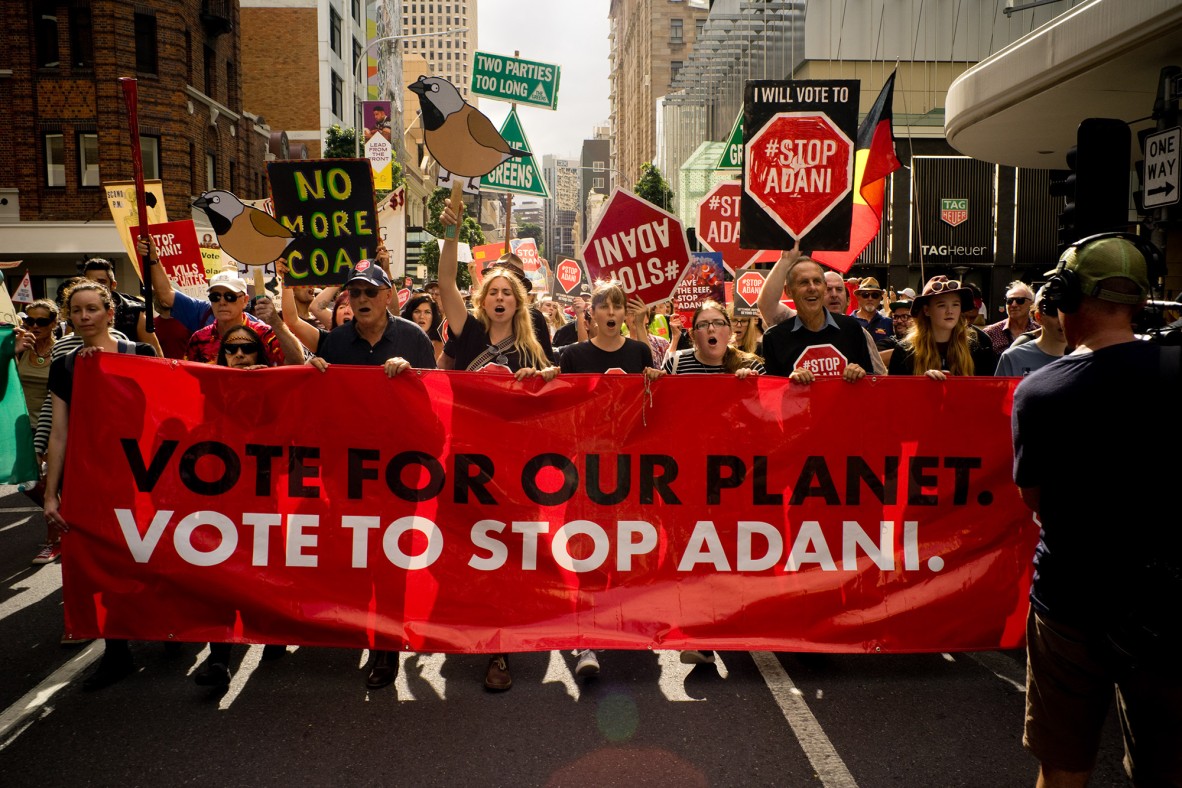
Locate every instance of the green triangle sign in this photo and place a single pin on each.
(519, 175)
(732, 156)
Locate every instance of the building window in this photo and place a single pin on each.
(699, 27)
(46, 32)
(598, 166)
(145, 43)
(334, 31)
(675, 31)
(356, 54)
(150, 152)
(211, 169)
(597, 183)
(81, 43)
(674, 67)
(55, 160)
(88, 160)
(338, 96)
(211, 71)
(356, 8)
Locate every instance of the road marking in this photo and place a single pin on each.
(21, 509)
(559, 672)
(831, 770)
(44, 582)
(1001, 666)
(16, 523)
(33, 706)
(673, 675)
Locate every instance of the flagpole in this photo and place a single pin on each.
(137, 163)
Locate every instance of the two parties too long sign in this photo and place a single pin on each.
(493, 515)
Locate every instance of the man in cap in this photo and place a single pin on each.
(1108, 577)
(374, 337)
(227, 306)
(878, 325)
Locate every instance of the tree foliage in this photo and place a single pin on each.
(531, 230)
(653, 187)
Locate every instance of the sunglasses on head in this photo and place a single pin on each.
(229, 297)
(369, 292)
(40, 322)
(1017, 300)
(941, 286)
(234, 348)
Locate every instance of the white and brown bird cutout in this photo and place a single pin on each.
(461, 139)
(250, 236)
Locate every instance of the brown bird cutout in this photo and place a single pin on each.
(250, 236)
(459, 136)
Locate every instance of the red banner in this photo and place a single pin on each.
(455, 512)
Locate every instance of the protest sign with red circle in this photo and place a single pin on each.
(569, 281)
(718, 227)
(639, 245)
(403, 297)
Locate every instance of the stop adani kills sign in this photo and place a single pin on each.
(798, 164)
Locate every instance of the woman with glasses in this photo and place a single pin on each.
(712, 351)
(91, 311)
(938, 343)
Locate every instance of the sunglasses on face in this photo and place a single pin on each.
(702, 325)
(229, 297)
(234, 348)
(368, 292)
(862, 294)
(1019, 300)
(40, 322)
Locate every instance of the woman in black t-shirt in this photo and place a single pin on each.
(91, 310)
(499, 330)
(609, 350)
(938, 343)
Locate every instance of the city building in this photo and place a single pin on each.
(650, 40)
(66, 126)
(562, 179)
(447, 56)
(594, 179)
(1010, 229)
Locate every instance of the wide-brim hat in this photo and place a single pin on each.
(869, 284)
(939, 285)
(511, 263)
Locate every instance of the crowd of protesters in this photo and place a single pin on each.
(501, 325)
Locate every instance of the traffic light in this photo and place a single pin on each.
(1096, 183)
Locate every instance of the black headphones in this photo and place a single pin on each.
(1064, 291)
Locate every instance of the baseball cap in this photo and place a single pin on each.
(229, 280)
(1106, 258)
(369, 271)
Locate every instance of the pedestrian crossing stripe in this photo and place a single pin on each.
(539, 94)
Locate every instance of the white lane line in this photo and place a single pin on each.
(44, 582)
(1001, 666)
(830, 769)
(673, 675)
(20, 509)
(16, 523)
(33, 706)
(559, 672)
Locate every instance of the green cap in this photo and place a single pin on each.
(1107, 258)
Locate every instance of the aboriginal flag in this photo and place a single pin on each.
(874, 160)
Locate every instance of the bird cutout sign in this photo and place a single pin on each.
(460, 138)
(247, 234)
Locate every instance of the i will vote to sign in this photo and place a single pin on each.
(329, 205)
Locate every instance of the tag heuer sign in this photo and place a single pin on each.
(954, 212)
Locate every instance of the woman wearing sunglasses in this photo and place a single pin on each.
(938, 343)
(34, 343)
(91, 311)
(242, 348)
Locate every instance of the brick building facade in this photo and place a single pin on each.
(66, 127)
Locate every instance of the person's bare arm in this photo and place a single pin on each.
(321, 306)
(161, 284)
(146, 336)
(308, 336)
(770, 307)
(449, 292)
(293, 353)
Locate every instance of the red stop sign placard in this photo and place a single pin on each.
(718, 227)
(748, 285)
(798, 167)
(568, 275)
(824, 361)
(639, 245)
(403, 297)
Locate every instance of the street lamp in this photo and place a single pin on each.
(357, 77)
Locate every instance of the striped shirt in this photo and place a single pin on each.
(62, 347)
(684, 362)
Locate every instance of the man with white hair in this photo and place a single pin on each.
(1019, 300)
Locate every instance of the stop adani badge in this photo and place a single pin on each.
(798, 164)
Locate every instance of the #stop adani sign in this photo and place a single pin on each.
(639, 245)
(718, 227)
(798, 164)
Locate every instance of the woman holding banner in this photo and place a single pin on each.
(91, 311)
(712, 351)
(938, 343)
(500, 332)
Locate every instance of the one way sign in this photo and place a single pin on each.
(1161, 168)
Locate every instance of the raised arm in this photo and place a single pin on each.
(161, 285)
(321, 306)
(769, 304)
(308, 336)
(449, 292)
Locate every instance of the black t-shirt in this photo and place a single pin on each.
(783, 346)
(474, 341)
(902, 360)
(632, 357)
(61, 371)
(541, 333)
(567, 335)
(127, 313)
(402, 339)
(1089, 433)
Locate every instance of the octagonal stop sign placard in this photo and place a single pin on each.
(798, 164)
(639, 245)
(824, 361)
(718, 227)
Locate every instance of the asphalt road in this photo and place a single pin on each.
(647, 720)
